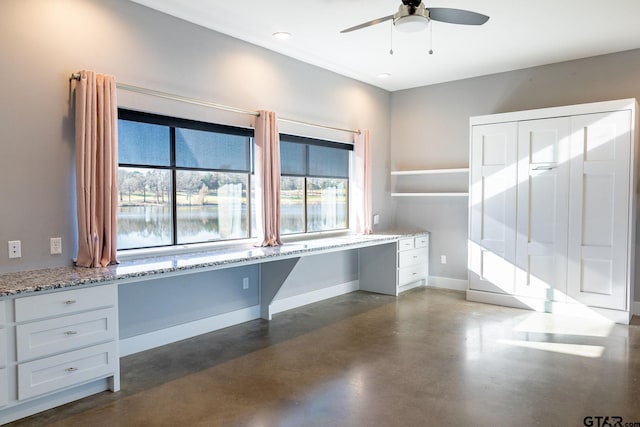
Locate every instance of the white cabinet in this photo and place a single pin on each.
(542, 208)
(4, 387)
(492, 207)
(601, 236)
(413, 262)
(63, 370)
(551, 213)
(66, 338)
(395, 267)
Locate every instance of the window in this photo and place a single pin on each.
(181, 181)
(314, 185)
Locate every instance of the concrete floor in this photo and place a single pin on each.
(426, 358)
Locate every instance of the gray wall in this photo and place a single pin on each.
(45, 41)
(153, 305)
(317, 272)
(430, 129)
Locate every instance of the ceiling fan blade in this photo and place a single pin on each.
(456, 16)
(367, 24)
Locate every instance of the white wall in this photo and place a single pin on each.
(44, 41)
(430, 129)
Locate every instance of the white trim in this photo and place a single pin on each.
(448, 283)
(284, 304)
(172, 334)
(541, 305)
(562, 111)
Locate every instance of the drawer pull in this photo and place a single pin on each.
(71, 332)
(415, 256)
(70, 301)
(72, 369)
(414, 274)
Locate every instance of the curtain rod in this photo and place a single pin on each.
(186, 99)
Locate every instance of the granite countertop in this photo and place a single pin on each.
(12, 284)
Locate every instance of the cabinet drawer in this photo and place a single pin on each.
(3, 312)
(4, 388)
(64, 370)
(421, 242)
(406, 243)
(412, 257)
(411, 274)
(64, 302)
(3, 347)
(65, 333)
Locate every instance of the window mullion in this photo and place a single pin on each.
(174, 201)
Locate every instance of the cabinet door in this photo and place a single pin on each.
(543, 193)
(599, 209)
(492, 204)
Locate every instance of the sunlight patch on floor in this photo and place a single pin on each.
(590, 351)
(546, 323)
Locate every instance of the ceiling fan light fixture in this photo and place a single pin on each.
(411, 23)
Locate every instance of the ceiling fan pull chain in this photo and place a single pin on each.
(391, 40)
(430, 37)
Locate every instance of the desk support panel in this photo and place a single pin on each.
(272, 275)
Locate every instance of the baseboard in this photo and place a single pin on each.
(23, 409)
(172, 334)
(635, 308)
(540, 305)
(448, 283)
(284, 304)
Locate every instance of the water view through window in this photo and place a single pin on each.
(183, 182)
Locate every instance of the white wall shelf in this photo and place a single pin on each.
(430, 171)
(429, 194)
(439, 192)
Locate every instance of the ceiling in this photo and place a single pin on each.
(519, 34)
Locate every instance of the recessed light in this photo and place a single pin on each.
(281, 35)
(384, 75)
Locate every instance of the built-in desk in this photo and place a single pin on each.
(60, 327)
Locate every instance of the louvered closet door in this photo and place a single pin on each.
(543, 194)
(599, 209)
(492, 201)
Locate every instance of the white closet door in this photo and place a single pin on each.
(543, 194)
(492, 201)
(599, 209)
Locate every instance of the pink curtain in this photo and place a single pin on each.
(267, 172)
(362, 190)
(96, 169)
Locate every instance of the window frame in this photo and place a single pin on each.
(173, 123)
(319, 143)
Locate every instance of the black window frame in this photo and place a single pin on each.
(176, 122)
(308, 141)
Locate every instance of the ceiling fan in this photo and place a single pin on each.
(412, 15)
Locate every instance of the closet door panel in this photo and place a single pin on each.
(492, 207)
(543, 185)
(599, 209)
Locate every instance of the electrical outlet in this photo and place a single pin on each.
(245, 283)
(15, 249)
(55, 244)
(376, 219)
(443, 259)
